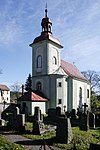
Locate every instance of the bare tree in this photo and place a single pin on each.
(16, 89)
(93, 77)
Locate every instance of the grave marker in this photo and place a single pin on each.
(92, 120)
(73, 114)
(58, 111)
(84, 121)
(63, 131)
(85, 106)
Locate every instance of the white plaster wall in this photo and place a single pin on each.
(38, 49)
(53, 51)
(41, 105)
(65, 93)
(76, 87)
(88, 99)
(62, 93)
(47, 50)
(5, 96)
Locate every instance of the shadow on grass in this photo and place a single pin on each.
(38, 142)
(30, 142)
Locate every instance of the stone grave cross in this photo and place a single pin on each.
(85, 105)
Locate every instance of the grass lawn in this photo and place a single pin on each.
(5, 145)
(81, 139)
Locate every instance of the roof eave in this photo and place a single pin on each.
(80, 79)
(46, 38)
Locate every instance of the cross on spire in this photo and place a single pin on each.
(46, 11)
(46, 23)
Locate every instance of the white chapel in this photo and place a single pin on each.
(59, 81)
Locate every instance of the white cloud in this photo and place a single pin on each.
(10, 31)
(15, 20)
(86, 47)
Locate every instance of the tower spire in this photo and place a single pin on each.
(46, 23)
(46, 11)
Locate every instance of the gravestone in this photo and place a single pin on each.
(85, 107)
(58, 111)
(10, 120)
(20, 118)
(51, 112)
(79, 112)
(67, 114)
(74, 119)
(73, 114)
(84, 121)
(97, 119)
(37, 113)
(38, 125)
(63, 131)
(16, 120)
(13, 108)
(92, 120)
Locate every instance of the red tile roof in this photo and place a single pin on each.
(32, 96)
(71, 70)
(4, 87)
(35, 97)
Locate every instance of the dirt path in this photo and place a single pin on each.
(28, 143)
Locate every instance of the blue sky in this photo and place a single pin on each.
(76, 23)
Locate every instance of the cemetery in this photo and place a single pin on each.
(80, 130)
(54, 112)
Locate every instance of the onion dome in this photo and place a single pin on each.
(46, 23)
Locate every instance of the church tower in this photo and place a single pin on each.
(45, 50)
(46, 61)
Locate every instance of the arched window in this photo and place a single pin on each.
(49, 28)
(80, 92)
(39, 86)
(54, 60)
(80, 99)
(87, 93)
(39, 61)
